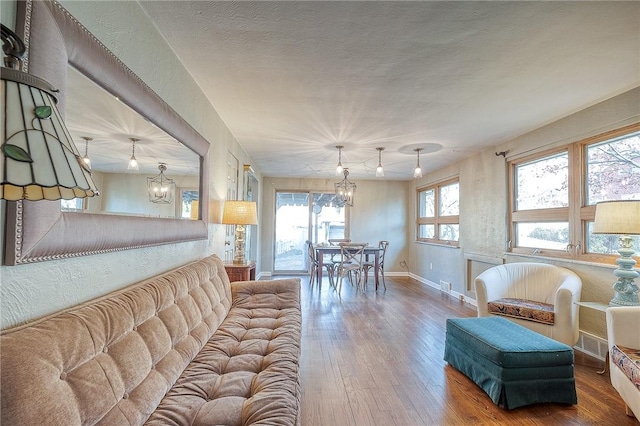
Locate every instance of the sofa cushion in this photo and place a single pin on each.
(529, 310)
(628, 359)
(248, 371)
(110, 361)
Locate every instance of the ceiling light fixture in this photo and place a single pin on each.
(345, 190)
(417, 173)
(161, 189)
(133, 163)
(38, 158)
(339, 167)
(379, 169)
(86, 159)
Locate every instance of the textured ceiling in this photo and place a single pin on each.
(294, 79)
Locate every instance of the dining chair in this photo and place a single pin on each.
(371, 265)
(314, 265)
(351, 260)
(334, 259)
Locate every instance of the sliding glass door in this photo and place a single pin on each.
(302, 216)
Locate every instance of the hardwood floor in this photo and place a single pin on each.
(377, 359)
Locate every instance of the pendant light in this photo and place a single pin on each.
(133, 163)
(339, 167)
(86, 159)
(160, 188)
(379, 169)
(345, 190)
(417, 173)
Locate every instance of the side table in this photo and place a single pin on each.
(602, 308)
(241, 271)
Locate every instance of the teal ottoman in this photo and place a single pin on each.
(513, 365)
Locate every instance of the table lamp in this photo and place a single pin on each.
(240, 213)
(621, 218)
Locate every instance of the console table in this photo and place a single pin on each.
(241, 271)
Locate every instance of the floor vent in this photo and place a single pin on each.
(592, 345)
(445, 286)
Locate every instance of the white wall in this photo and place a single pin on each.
(31, 291)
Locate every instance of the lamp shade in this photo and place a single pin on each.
(38, 160)
(617, 217)
(240, 213)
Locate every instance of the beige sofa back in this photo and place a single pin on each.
(111, 361)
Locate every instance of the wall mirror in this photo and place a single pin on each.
(39, 231)
(110, 133)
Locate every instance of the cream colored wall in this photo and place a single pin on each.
(483, 205)
(31, 291)
(127, 193)
(380, 213)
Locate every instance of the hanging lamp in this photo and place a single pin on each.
(379, 169)
(85, 158)
(417, 173)
(339, 168)
(133, 163)
(345, 190)
(161, 189)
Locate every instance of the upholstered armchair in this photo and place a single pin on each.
(623, 335)
(537, 296)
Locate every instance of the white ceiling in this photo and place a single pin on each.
(294, 79)
(94, 113)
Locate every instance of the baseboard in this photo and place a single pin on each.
(396, 274)
(263, 275)
(452, 293)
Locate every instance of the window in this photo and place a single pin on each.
(553, 194)
(438, 213)
(73, 205)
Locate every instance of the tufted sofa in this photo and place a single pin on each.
(538, 296)
(184, 348)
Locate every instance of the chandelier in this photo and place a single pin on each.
(161, 189)
(345, 190)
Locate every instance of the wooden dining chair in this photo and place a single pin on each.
(314, 265)
(334, 259)
(351, 260)
(371, 265)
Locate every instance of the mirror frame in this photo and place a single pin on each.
(38, 230)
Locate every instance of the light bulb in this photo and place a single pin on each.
(417, 173)
(133, 164)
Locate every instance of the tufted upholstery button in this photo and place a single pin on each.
(63, 376)
(125, 396)
(135, 328)
(105, 349)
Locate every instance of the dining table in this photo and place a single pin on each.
(322, 250)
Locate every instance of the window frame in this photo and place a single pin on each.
(577, 214)
(437, 219)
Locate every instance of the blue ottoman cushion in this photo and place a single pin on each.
(512, 364)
